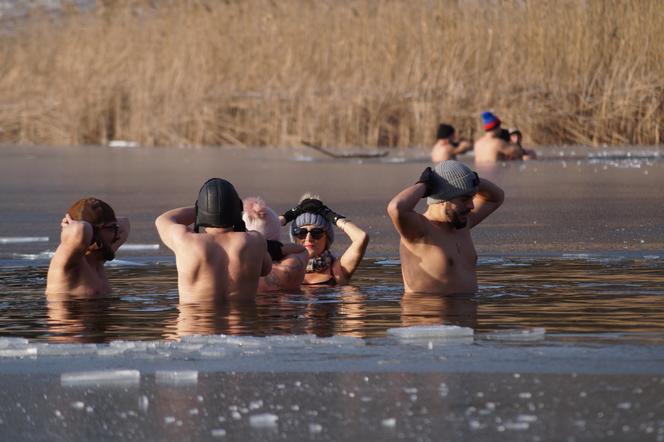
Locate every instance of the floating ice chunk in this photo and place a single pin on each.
(526, 418)
(517, 426)
(48, 254)
(218, 432)
(143, 403)
(100, 377)
(624, 405)
(66, 349)
(255, 405)
(525, 395)
(13, 342)
(169, 419)
(388, 262)
(135, 247)
(263, 420)
(123, 143)
(22, 239)
(300, 340)
(528, 334)
(315, 428)
(78, 405)
(389, 422)
(187, 377)
(124, 263)
(18, 352)
(110, 351)
(431, 332)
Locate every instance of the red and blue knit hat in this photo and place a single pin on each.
(490, 121)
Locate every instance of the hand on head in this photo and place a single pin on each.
(428, 178)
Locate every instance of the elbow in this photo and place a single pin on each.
(393, 209)
(362, 241)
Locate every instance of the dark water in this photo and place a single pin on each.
(596, 296)
(563, 341)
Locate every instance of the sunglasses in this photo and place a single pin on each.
(115, 227)
(301, 233)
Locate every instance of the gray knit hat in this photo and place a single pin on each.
(457, 180)
(313, 219)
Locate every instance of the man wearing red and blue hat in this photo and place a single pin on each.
(493, 145)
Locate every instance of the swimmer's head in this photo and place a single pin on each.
(219, 205)
(93, 210)
(259, 217)
(515, 135)
(490, 121)
(457, 180)
(312, 219)
(101, 217)
(445, 132)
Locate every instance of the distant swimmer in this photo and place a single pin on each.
(90, 236)
(289, 261)
(447, 145)
(217, 258)
(495, 144)
(313, 227)
(436, 248)
(516, 139)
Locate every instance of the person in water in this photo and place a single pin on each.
(447, 145)
(217, 258)
(90, 236)
(516, 139)
(495, 144)
(289, 261)
(436, 248)
(313, 227)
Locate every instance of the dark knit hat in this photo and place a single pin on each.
(457, 180)
(490, 121)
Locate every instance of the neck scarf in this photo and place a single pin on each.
(320, 263)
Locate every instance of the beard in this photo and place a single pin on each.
(107, 253)
(455, 218)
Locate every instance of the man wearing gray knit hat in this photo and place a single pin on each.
(436, 248)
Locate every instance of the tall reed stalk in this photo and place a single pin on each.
(336, 72)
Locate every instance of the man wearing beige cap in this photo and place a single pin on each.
(436, 248)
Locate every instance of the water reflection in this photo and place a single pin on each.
(426, 309)
(78, 320)
(570, 295)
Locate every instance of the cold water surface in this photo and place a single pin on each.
(610, 296)
(564, 341)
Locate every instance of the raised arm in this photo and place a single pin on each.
(463, 147)
(488, 198)
(174, 224)
(75, 238)
(410, 224)
(344, 268)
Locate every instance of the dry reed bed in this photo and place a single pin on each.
(348, 72)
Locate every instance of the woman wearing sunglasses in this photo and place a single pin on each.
(313, 227)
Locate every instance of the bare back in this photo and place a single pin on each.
(212, 266)
(441, 261)
(490, 149)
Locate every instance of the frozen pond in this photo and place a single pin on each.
(563, 341)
